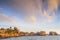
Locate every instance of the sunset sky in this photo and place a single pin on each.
(30, 15)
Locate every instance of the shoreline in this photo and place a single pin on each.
(9, 32)
(25, 36)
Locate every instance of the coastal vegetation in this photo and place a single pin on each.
(14, 32)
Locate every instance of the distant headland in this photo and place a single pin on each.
(9, 32)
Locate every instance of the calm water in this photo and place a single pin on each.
(34, 38)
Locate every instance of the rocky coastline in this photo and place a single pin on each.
(9, 32)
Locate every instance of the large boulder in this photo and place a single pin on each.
(31, 34)
(42, 33)
(53, 33)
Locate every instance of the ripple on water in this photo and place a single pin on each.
(34, 38)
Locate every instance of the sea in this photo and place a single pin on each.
(34, 38)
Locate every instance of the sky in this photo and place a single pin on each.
(30, 15)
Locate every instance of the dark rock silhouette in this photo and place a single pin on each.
(53, 33)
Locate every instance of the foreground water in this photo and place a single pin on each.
(34, 38)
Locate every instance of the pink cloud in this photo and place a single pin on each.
(5, 19)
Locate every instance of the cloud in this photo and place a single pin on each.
(1, 8)
(36, 8)
(46, 9)
(7, 20)
(52, 5)
(50, 13)
(28, 7)
(4, 17)
(31, 19)
(50, 17)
